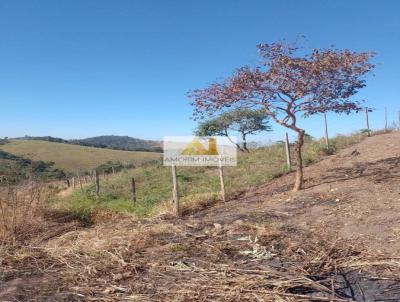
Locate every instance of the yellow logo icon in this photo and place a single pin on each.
(197, 148)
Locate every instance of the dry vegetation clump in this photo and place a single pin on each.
(189, 204)
(20, 210)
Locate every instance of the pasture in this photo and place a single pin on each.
(73, 158)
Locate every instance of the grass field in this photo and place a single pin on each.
(198, 186)
(72, 158)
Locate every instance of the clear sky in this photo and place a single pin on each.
(79, 68)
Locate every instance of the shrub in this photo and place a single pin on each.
(325, 150)
(307, 160)
(20, 211)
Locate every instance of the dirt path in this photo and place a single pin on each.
(342, 233)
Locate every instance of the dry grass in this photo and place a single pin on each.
(168, 260)
(20, 210)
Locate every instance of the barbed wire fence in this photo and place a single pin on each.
(368, 129)
(389, 120)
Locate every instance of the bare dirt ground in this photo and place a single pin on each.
(354, 194)
(337, 240)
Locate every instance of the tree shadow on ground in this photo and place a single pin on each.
(378, 171)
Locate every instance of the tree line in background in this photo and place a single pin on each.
(115, 142)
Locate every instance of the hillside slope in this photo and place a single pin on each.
(115, 142)
(120, 143)
(337, 240)
(354, 194)
(72, 158)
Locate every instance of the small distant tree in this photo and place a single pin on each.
(243, 121)
(210, 127)
(215, 126)
(247, 121)
(288, 84)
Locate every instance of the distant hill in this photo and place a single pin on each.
(115, 142)
(119, 143)
(73, 158)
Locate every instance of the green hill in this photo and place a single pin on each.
(72, 158)
(115, 142)
(120, 143)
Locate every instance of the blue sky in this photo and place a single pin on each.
(78, 68)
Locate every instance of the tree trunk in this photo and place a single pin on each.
(97, 181)
(298, 185)
(133, 186)
(237, 145)
(245, 143)
(240, 148)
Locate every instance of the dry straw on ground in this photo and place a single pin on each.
(167, 260)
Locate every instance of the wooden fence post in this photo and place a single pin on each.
(80, 181)
(398, 120)
(287, 148)
(386, 120)
(73, 182)
(97, 180)
(175, 195)
(221, 179)
(367, 121)
(133, 184)
(326, 131)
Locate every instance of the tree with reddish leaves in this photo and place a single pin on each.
(289, 84)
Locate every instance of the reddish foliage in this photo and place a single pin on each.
(289, 83)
